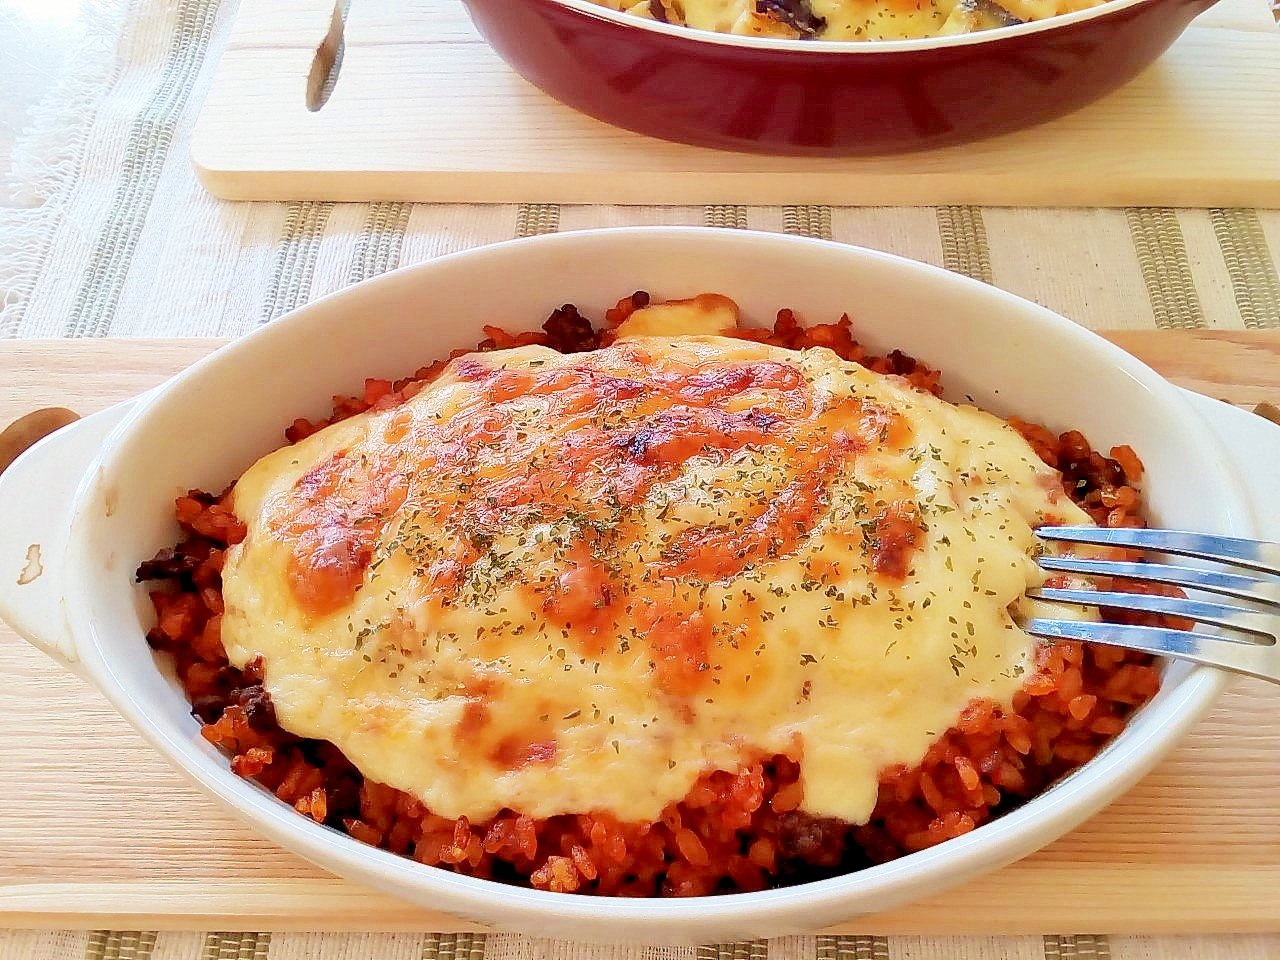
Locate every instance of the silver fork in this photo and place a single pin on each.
(1235, 636)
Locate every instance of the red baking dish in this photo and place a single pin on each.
(826, 98)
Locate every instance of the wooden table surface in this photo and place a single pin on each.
(96, 830)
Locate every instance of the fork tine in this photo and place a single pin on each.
(1254, 659)
(1254, 554)
(1218, 614)
(1214, 581)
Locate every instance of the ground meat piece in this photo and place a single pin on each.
(794, 13)
(166, 565)
(569, 331)
(208, 708)
(157, 639)
(258, 709)
(811, 840)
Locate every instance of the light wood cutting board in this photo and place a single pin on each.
(97, 831)
(423, 110)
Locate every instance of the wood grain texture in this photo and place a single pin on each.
(97, 831)
(423, 110)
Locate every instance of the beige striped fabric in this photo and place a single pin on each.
(1103, 268)
(807, 221)
(119, 241)
(728, 215)
(141, 945)
(740, 950)
(852, 948)
(120, 945)
(1166, 268)
(964, 242)
(537, 218)
(380, 241)
(1077, 948)
(295, 260)
(1253, 272)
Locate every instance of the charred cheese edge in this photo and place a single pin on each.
(574, 583)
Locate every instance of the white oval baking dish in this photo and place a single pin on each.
(96, 498)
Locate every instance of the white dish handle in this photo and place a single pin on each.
(37, 494)
(1254, 443)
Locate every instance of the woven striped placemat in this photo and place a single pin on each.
(195, 267)
(135, 945)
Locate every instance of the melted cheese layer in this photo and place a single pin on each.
(574, 583)
(847, 19)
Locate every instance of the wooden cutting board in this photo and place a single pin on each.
(97, 831)
(423, 110)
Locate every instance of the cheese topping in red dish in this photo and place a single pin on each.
(847, 19)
